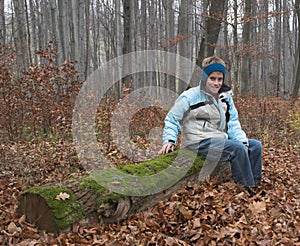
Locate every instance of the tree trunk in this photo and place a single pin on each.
(246, 64)
(235, 47)
(2, 24)
(213, 27)
(127, 39)
(54, 27)
(20, 35)
(62, 28)
(74, 30)
(55, 207)
(169, 82)
(86, 41)
(83, 37)
(185, 37)
(225, 53)
(33, 28)
(278, 46)
(118, 41)
(297, 81)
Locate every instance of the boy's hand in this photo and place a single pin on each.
(166, 148)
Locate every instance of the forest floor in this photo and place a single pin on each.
(209, 213)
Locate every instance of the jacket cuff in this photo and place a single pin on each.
(170, 141)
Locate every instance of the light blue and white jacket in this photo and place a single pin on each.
(198, 116)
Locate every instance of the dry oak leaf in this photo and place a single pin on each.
(62, 196)
(185, 212)
(12, 230)
(257, 207)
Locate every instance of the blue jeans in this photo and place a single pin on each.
(246, 164)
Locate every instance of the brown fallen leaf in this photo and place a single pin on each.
(185, 212)
(257, 207)
(62, 196)
(22, 219)
(196, 223)
(12, 230)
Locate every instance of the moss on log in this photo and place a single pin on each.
(84, 200)
(47, 213)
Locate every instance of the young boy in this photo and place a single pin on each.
(208, 119)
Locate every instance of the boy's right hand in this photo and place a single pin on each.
(166, 148)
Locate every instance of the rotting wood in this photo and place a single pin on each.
(89, 202)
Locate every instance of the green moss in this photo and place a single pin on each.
(65, 211)
(168, 167)
(197, 165)
(148, 167)
(158, 164)
(88, 183)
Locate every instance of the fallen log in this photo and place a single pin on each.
(83, 199)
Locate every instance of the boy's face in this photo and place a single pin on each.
(214, 82)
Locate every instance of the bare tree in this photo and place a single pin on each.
(118, 40)
(288, 51)
(184, 35)
(2, 23)
(277, 45)
(169, 44)
(74, 30)
(246, 64)
(297, 80)
(62, 27)
(93, 31)
(127, 40)
(85, 42)
(236, 56)
(20, 35)
(33, 30)
(213, 27)
(54, 25)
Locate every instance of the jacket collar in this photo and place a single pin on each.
(224, 92)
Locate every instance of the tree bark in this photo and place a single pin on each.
(235, 47)
(89, 202)
(127, 39)
(74, 42)
(2, 24)
(62, 27)
(33, 28)
(297, 81)
(20, 35)
(213, 26)
(246, 64)
(185, 37)
(169, 82)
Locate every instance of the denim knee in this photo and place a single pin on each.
(255, 143)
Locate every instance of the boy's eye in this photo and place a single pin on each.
(215, 78)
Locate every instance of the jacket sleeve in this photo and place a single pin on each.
(235, 130)
(172, 121)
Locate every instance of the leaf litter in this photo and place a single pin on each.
(210, 213)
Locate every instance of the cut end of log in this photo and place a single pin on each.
(37, 212)
(42, 208)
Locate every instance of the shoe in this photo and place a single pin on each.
(262, 193)
(250, 191)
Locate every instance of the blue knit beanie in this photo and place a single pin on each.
(214, 67)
